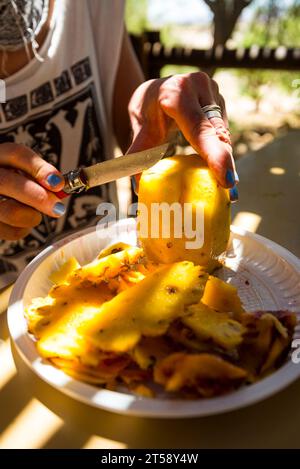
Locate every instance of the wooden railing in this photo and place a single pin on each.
(153, 56)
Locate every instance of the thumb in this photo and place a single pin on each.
(210, 142)
(218, 155)
(142, 141)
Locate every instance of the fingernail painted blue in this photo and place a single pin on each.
(230, 177)
(59, 208)
(236, 177)
(234, 194)
(54, 179)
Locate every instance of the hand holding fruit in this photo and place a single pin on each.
(159, 106)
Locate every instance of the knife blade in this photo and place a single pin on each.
(110, 170)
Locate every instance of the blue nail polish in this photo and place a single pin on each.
(230, 180)
(236, 177)
(234, 194)
(54, 179)
(59, 208)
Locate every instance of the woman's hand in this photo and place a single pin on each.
(27, 189)
(159, 106)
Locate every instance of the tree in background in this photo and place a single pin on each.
(225, 16)
(136, 16)
(273, 24)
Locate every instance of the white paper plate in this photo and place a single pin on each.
(267, 276)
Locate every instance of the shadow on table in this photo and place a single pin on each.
(12, 394)
(269, 188)
(4, 333)
(271, 423)
(67, 437)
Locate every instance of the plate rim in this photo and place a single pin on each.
(136, 405)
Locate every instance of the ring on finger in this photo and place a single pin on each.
(212, 110)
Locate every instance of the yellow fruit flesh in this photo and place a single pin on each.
(59, 276)
(222, 296)
(209, 324)
(92, 319)
(185, 179)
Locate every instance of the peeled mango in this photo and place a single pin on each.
(184, 179)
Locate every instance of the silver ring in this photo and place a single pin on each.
(212, 110)
(211, 107)
(212, 114)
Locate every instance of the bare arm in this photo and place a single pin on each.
(129, 77)
(156, 106)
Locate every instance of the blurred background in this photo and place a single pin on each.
(250, 47)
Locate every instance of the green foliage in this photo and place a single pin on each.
(169, 36)
(252, 82)
(136, 16)
(273, 25)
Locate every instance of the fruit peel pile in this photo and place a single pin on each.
(125, 320)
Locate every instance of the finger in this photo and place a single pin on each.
(19, 215)
(180, 99)
(27, 191)
(223, 133)
(222, 104)
(142, 141)
(22, 157)
(12, 233)
(202, 136)
(209, 95)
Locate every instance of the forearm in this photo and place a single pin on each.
(129, 77)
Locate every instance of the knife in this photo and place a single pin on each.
(81, 179)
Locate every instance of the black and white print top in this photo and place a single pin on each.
(62, 108)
